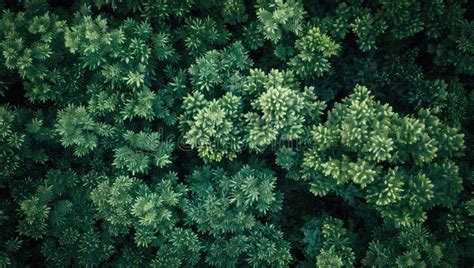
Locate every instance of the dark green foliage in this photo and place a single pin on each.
(230, 209)
(208, 133)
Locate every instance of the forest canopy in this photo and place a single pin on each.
(236, 133)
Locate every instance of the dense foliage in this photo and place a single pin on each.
(235, 133)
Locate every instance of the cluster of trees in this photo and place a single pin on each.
(229, 133)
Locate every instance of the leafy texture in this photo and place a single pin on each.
(232, 133)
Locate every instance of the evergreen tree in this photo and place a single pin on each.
(207, 133)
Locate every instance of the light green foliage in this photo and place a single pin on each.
(215, 67)
(215, 129)
(163, 48)
(121, 55)
(282, 116)
(375, 146)
(202, 34)
(336, 246)
(367, 30)
(141, 106)
(257, 82)
(220, 128)
(92, 39)
(141, 150)
(277, 17)
(281, 110)
(114, 201)
(78, 130)
(315, 49)
(151, 211)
